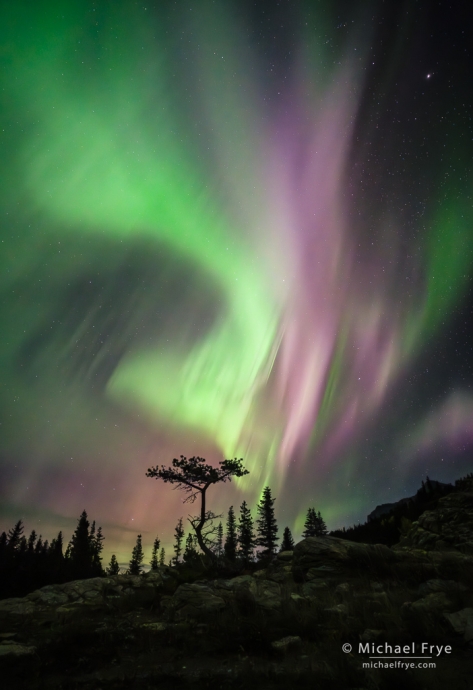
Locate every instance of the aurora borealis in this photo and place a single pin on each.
(233, 229)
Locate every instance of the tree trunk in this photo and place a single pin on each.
(200, 525)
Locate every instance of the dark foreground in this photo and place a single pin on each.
(280, 627)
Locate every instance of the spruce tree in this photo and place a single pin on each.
(135, 567)
(267, 529)
(219, 541)
(162, 556)
(245, 533)
(190, 551)
(314, 525)
(3, 541)
(287, 540)
(31, 541)
(113, 567)
(57, 546)
(81, 550)
(178, 536)
(310, 524)
(230, 545)
(14, 535)
(23, 546)
(321, 526)
(154, 555)
(96, 547)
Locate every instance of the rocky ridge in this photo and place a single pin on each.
(326, 588)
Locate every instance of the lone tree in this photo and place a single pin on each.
(266, 524)
(287, 540)
(195, 476)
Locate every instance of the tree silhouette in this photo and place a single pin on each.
(314, 525)
(230, 546)
(154, 555)
(245, 534)
(194, 476)
(190, 551)
(96, 547)
(178, 536)
(321, 525)
(135, 567)
(80, 551)
(219, 541)
(14, 536)
(287, 540)
(162, 556)
(266, 524)
(32, 541)
(113, 567)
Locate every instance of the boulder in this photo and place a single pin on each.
(433, 604)
(16, 606)
(462, 623)
(194, 600)
(268, 595)
(437, 585)
(321, 556)
(15, 650)
(450, 525)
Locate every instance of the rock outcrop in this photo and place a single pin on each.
(450, 526)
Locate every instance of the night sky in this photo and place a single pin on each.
(232, 230)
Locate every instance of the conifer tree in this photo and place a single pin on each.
(39, 544)
(287, 540)
(23, 545)
(113, 567)
(195, 477)
(3, 541)
(56, 557)
(245, 534)
(135, 567)
(80, 551)
(219, 541)
(31, 541)
(154, 555)
(314, 525)
(162, 556)
(230, 545)
(190, 551)
(14, 535)
(178, 536)
(267, 529)
(96, 546)
(57, 545)
(310, 524)
(322, 527)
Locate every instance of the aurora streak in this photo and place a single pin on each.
(216, 246)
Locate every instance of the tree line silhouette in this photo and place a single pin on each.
(28, 563)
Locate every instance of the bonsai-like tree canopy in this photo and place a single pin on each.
(194, 476)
